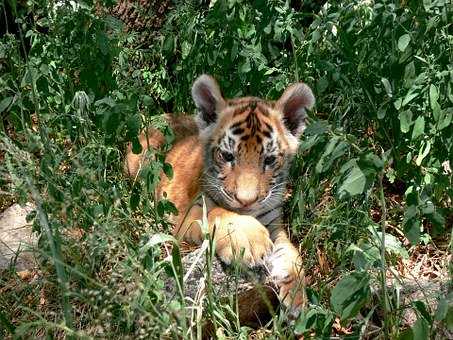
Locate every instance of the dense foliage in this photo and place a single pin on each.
(75, 87)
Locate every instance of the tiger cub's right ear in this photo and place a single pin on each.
(208, 100)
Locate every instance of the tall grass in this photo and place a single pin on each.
(75, 88)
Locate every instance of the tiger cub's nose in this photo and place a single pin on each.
(246, 198)
(246, 188)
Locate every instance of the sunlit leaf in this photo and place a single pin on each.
(403, 42)
(387, 86)
(354, 184)
(5, 103)
(419, 127)
(405, 120)
(423, 152)
(350, 294)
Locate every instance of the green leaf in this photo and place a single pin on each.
(405, 118)
(428, 208)
(442, 309)
(134, 201)
(147, 100)
(419, 127)
(411, 211)
(168, 170)
(392, 244)
(354, 184)
(381, 112)
(165, 206)
(5, 103)
(412, 230)
(151, 173)
(433, 94)
(316, 128)
(409, 96)
(445, 118)
(350, 294)
(176, 259)
(314, 319)
(160, 238)
(449, 320)
(168, 44)
(423, 152)
(103, 43)
(421, 329)
(107, 101)
(157, 239)
(322, 84)
(406, 334)
(185, 49)
(245, 66)
(136, 146)
(30, 77)
(133, 125)
(403, 42)
(409, 74)
(315, 36)
(437, 111)
(111, 121)
(327, 151)
(398, 103)
(373, 160)
(387, 86)
(420, 307)
(366, 255)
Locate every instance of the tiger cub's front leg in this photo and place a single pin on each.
(285, 267)
(236, 236)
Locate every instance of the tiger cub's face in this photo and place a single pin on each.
(248, 144)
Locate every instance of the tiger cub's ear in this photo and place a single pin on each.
(208, 100)
(293, 104)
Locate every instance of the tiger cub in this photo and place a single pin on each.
(237, 153)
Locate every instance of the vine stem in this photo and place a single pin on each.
(53, 239)
(383, 262)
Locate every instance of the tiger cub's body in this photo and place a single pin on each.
(237, 155)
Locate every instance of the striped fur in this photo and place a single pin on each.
(238, 159)
(254, 181)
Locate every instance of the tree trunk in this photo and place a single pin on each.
(144, 16)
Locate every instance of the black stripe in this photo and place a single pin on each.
(237, 131)
(267, 133)
(272, 221)
(235, 125)
(267, 212)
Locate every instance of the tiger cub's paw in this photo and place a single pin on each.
(292, 293)
(287, 274)
(245, 239)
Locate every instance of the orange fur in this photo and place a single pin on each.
(256, 129)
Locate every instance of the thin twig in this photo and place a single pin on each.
(384, 264)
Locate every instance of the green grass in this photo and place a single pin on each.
(369, 192)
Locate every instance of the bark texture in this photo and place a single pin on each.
(144, 16)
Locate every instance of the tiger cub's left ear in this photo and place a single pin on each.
(208, 99)
(293, 104)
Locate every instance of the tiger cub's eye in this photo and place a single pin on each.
(269, 160)
(227, 156)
